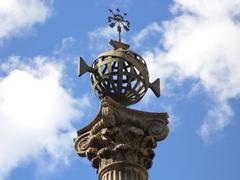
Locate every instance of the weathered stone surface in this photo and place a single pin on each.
(120, 141)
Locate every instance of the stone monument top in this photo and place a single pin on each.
(119, 141)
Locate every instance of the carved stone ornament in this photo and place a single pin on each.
(121, 140)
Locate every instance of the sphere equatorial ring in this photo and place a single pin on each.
(121, 74)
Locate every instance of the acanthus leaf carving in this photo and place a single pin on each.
(121, 134)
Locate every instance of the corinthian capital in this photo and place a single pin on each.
(121, 135)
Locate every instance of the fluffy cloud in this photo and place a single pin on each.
(100, 35)
(144, 33)
(66, 44)
(201, 43)
(36, 113)
(17, 16)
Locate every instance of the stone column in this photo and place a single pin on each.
(120, 141)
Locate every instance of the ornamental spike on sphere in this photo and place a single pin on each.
(119, 73)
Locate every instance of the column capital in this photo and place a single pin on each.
(119, 134)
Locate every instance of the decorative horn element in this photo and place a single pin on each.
(155, 87)
(83, 67)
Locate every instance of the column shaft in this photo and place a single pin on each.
(123, 171)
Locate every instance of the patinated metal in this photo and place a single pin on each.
(119, 73)
(117, 20)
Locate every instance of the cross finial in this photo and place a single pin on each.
(118, 20)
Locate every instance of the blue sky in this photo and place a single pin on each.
(193, 46)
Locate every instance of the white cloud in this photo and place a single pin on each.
(36, 114)
(102, 32)
(66, 44)
(218, 118)
(113, 4)
(18, 16)
(144, 33)
(99, 37)
(202, 43)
